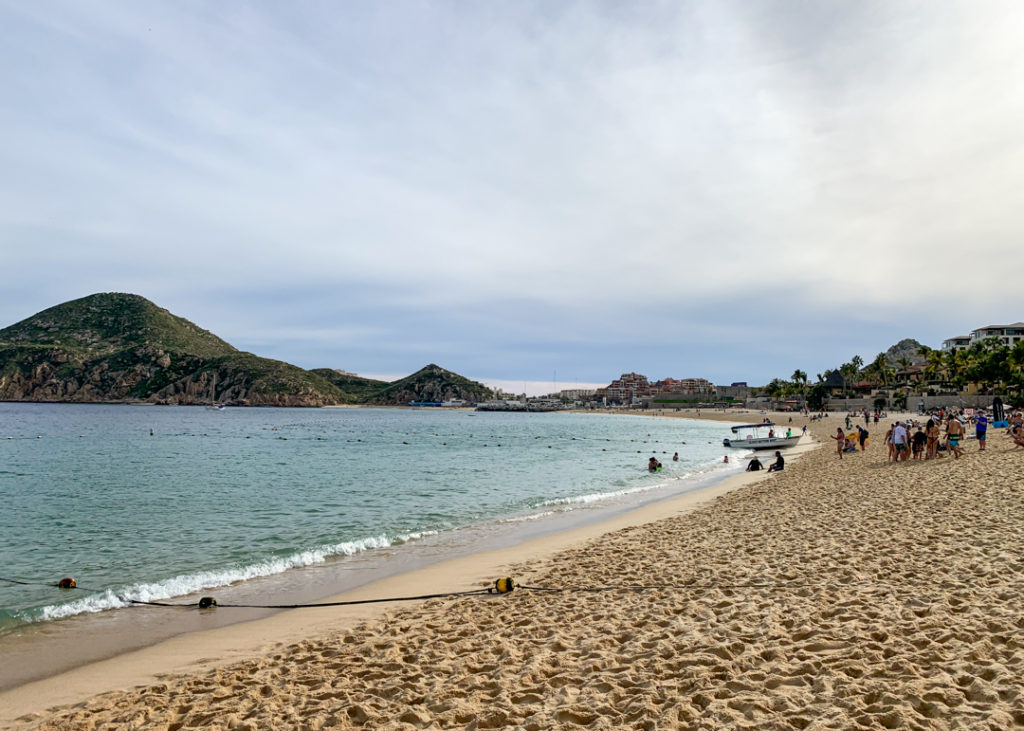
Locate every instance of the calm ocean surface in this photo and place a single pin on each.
(212, 498)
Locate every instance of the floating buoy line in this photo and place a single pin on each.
(504, 585)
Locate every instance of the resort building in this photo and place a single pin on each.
(626, 388)
(960, 342)
(735, 392)
(692, 386)
(576, 394)
(631, 388)
(1008, 335)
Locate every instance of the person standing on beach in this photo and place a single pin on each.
(862, 437)
(919, 440)
(954, 433)
(900, 442)
(932, 432)
(840, 441)
(981, 429)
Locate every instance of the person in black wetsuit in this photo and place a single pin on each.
(779, 464)
(755, 465)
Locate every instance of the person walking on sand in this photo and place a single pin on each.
(862, 437)
(888, 442)
(840, 441)
(954, 433)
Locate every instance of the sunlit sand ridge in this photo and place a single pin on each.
(836, 594)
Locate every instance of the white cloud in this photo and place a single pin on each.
(612, 167)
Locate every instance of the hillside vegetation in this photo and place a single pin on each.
(432, 383)
(118, 347)
(122, 347)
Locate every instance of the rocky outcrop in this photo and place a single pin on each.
(118, 347)
(433, 383)
(122, 347)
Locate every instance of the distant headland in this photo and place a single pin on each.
(116, 347)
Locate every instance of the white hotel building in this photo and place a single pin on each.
(1008, 335)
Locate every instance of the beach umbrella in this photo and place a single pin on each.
(998, 414)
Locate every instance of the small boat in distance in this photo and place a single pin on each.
(759, 436)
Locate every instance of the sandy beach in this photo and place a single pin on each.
(837, 594)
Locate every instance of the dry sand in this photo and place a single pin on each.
(837, 594)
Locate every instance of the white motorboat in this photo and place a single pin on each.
(759, 436)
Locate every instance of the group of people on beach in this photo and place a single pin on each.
(904, 443)
(777, 466)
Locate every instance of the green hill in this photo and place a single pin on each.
(107, 323)
(355, 387)
(432, 383)
(122, 347)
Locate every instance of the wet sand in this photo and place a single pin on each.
(836, 594)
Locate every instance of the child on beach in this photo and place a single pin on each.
(840, 441)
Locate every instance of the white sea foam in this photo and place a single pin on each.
(185, 584)
(531, 516)
(566, 504)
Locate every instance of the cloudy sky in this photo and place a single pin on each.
(522, 191)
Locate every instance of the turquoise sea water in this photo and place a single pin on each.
(152, 503)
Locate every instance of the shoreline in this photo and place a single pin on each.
(232, 642)
(846, 591)
(44, 649)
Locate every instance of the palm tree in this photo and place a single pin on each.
(987, 363)
(935, 368)
(957, 363)
(1015, 372)
(776, 388)
(800, 382)
(881, 366)
(848, 371)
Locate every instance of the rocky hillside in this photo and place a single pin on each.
(432, 383)
(356, 387)
(907, 348)
(122, 347)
